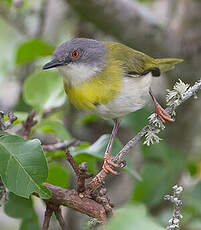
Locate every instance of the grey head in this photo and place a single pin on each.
(78, 51)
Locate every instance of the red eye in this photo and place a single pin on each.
(75, 54)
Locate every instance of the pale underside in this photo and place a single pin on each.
(132, 97)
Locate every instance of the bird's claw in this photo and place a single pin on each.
(162, 114)
(108, 163)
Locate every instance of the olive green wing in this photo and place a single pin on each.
(137, 63)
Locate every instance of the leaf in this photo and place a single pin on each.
(44, 90)
(192, 199)
(97, 150)
(33, 49)
(157, 181)
(21, 116)
(58, 175)
(160, 175)
(30, 224)
(8, 3)
(55, 127)
(19, 207)
(132, 217)
(23, 166)
(171, 157)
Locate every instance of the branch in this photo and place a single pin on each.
(60, 145)
(50, 209)
(47, 217)
(100, 177)
(11, 20)
(60, 219)
(177, 202)
(28, 124)
(71, 199)
(80, 171)
(126, 20)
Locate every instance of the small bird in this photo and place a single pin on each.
(109, 79)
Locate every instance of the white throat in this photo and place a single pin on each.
(75, 74)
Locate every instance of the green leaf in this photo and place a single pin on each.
(92, 162)
(30, 224)
(157, 181)
(55, 127)
(8, 3)
(192, 199)
(33, 49)
(132, 217)
(58, 175)
(97, 150)
(44, 90)
(23, 166)
(21, 116)
(19, 207)
(171, 157)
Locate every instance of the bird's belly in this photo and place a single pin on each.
(133, 96)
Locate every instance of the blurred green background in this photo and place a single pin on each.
(30, 31)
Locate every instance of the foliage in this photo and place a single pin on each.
(49, 95)
(32, 49)
(132, 217)
(23, 211)
(23, 166)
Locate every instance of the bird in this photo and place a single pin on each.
(109, 79)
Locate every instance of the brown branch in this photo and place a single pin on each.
(50, 208)
(80, 171)
(60, 218)
(47, 217)
(60, 145)
(28, 124)
(71, 199)
(126, 20)
(11, 20)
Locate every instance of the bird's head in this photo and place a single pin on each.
(79, 59)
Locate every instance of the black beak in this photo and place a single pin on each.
(52, 64)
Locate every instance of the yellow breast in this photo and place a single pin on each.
(99, 89)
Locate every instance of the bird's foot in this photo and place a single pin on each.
(108, 163)
(162, 114)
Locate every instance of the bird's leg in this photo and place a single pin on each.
(162, 114)
(108, 159)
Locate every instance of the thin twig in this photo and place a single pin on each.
(47, 217)
(72, 162)
(174, 222)
(60, 218)
(60, 145)
(28, 124)
(80, 171)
